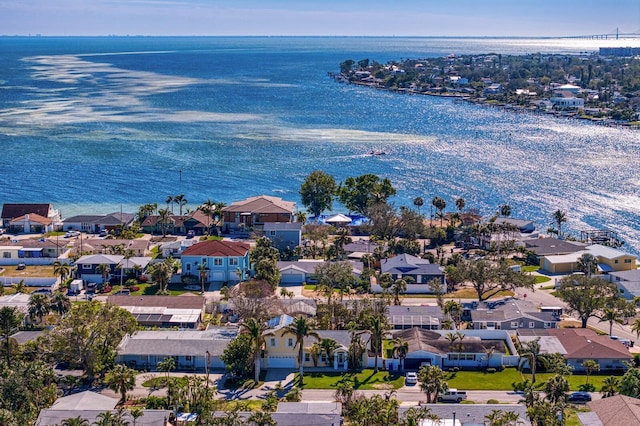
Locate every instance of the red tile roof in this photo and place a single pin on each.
(217, 248)
(585, 343)
(33, 217)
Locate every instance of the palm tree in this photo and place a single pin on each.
(418, 202)
(529, 353)
(104, 270)
(400, 349)
(163, 220)
(121, 379)
(204, 273)
(609, 386)
(301, 327)
(39, 306)
(328, 346)
(21, 287)
(261, 418)
(207, 209)
(136, 413)
(75, 421)
(432, 382)
(460, 203)
(181, 201)
(590, 366)
(611, 315)
(377, 326)
(167, 365)
(10, 318)
(588, 264)
(255, 329)
(161, 274)
(61, 269)
(559, 217)
(169, 202)
(398, 287)
(440, 204)
(636, 327)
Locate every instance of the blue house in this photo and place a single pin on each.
(224, 261)
(284, 235)
(87, 266)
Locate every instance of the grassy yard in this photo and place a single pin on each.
(477, 380)
(152, 289)
(364, 380)
(29, 271)
(530, 268)
(542, 279)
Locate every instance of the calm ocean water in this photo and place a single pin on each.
(93, 124)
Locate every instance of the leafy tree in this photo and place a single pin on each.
(301, 328)
(505, 210)
(488, 279)
(266, 259)
(255, 329)
(25, 389)
(238, 356)
(586, 296)
(121, 379)
(88, 336)
(359, 193)
(432, 382)
(383, 221)
(317, 192)
(630, 383)
(10, 319)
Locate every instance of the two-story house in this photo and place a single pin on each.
(284, 235)
(420, 270)
(16, 212)
(221, 261)
(255, 212)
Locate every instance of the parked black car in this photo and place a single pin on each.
(579, 397)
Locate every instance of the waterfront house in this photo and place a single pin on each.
(87, 267)
(31, 223)
(283, 235)
(609, 260)
(196, 222)
(550, 246)
(223, 261)
(185, 312)
(628, 282)
(469, 414)
(12, 211)
(420, 270)
(477, 349)
(253, 212)
(97, 223)
(139, 247)
(192, 350)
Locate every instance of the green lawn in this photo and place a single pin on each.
(364, 380)
(477, 380)
(542, 279)
(530, 268)
(151, 289)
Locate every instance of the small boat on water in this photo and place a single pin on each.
(376, 152)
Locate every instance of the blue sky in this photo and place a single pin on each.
(321, 17)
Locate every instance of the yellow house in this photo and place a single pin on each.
(609, 260)
(281, 350)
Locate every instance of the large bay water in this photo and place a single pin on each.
(96, 124)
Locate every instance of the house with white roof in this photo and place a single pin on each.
(628, 282)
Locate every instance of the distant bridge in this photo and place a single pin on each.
(614, 35)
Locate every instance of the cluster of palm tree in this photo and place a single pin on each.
(179, 200)
(41, 305)
(161, 273)
(213, 211)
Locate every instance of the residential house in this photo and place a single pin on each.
(255, 212)
(294, 307)
(565, 99)
(223, 261)
(508, 314)
(407, 266)
(185, 312)
(628, 282)
(87, 267)
(358, 248)
(492, 89)
(281, 350)
(617, 410)
(506, 232)
(284, 235)
(19, 301)
(551, 246)
(301, 413)
(175, 248)
(11, 211)
(471, 415)
(139, 247)
(577, 345)
(97, 223)
(192, 350)
(609, 260)
(31, 224)
(89, 405)
(477, 349)
(304, 271)
(31, 249)
(196, 222)
(424, 316)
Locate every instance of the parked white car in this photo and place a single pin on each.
(411, 378)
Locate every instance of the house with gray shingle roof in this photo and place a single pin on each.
(420, 270)
(508, 314)
(192, 350)
(97, 223)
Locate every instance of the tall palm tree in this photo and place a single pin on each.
(328, 346)
(400, 349)
(609, 386)
(529, 354)
(377, 326)
(161, 274)
(207, 209)
(418, 202)
(121, 379)
(163, 220)
(203, 271)
(254, 329)
(301, 327)
(169, 202)
(181, 201)
(611, 315)
(104, 270)
(460, 203)
(61, 269)
(505, 210)
(440, 204)
(559, 217)
(39, 306)
(10, 318)
(398, 287)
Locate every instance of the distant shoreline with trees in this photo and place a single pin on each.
(603, 90)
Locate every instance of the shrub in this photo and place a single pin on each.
(156, 403)
(142, 279)
(134, 288)
(587, 387)
(493, 401)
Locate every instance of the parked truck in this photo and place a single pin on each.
(452, 395)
